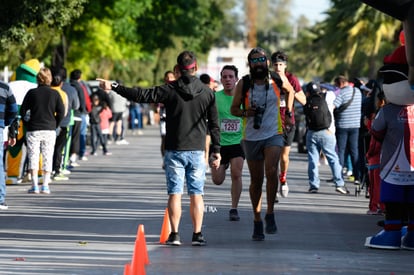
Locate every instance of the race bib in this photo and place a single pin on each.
(230, 125)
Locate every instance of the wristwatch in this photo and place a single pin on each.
(114, 85)
(288, 113)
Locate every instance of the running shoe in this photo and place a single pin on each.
(342, 190)
(4, 206)
(271, 227)
(258, 231)
(284, 189)
(173, 239)
(198, 240)
(45, 190)
(234, 215)
(34, 190)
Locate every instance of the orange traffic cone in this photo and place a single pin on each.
(142, 244)
(137, 266)
(166, 228)
(140, 255)
(127, 269)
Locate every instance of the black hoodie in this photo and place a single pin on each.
(190, 110)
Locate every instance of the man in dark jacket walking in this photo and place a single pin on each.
(190, 111)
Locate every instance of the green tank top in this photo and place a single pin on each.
(230, 126)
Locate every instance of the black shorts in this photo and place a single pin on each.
(229, 152)
(289, 136)
(116, 117)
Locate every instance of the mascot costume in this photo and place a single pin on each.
(24, 79)
(394, 127)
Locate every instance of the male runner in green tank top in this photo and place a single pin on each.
(230, 135)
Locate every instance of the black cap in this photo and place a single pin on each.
(313, 88)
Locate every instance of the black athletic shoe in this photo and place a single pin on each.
(313, 190)
(258, 231)
(234, 215)
(198, 239)
(173, 239)
(271, 227)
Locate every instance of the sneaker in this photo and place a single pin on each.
(313, 190)
(60, 176)
(173, 239)
(107, 154)
(122, 142)
(407, 241)
(342, 190)
(271, 227)
(198, 240)
(74, 164)
(45, 190)
(258, 231)
(234, 215)
(284, 189)
(84, 158)
(34, 190)
(65, 172)
(4, 206)
(385, 240)
(357, 182)
(375, 212)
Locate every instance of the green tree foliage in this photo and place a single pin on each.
(130, 32)
(274, 28)
(28, 26)
(231, 28)
(352, 40)
(111, 38)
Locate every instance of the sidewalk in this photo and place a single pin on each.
(88, 224)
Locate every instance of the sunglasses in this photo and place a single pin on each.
(258, 59)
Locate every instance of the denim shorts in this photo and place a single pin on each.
(254, 150)
(185, 166)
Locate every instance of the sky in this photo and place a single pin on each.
(312, 9)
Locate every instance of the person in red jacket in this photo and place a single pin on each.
(373, 160)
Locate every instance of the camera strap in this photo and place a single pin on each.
(267, 90)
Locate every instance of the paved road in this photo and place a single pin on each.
(88, 225)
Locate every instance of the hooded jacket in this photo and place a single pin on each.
(190, 110)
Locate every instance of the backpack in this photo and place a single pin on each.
(317, 112)
(247, 84)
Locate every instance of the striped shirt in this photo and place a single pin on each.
(351, 116)
(8, 106)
